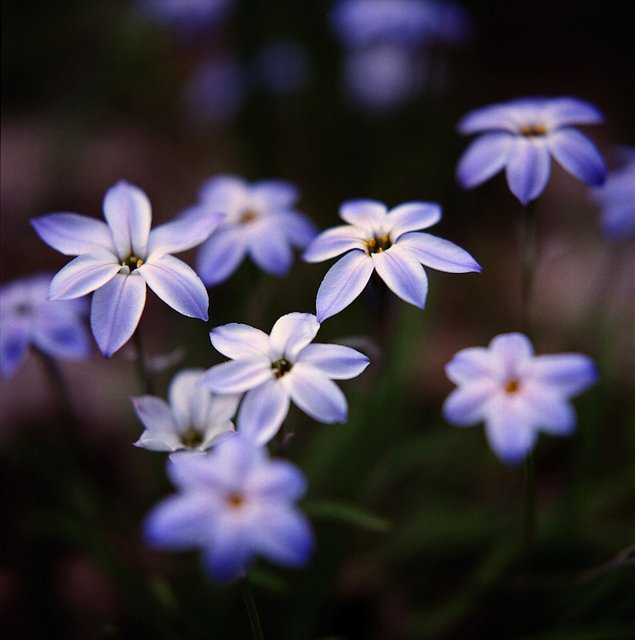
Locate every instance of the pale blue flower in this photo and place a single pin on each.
(233, 503)
(516, 393)
(192, 419)
(389, 243)
(521, 136)
(28, 317)
(116, 260)
(273, 370)
(616, 197)
(261, 221)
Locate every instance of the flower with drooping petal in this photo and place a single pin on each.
(193, 419)
(521, 136)
(234, 503)
(616, 197)
(28, 317)
(117, 258)
(273, 370)
(516, 393)
(261, 221)
(389, 243)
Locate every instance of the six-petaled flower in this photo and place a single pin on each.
(516, 393)
(234, 503)
(521, 136)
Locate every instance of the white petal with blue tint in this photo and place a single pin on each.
(510, 431)
(220, 255)
(410, 217)
(291, 333)
(333, 242)
(438, 253)
(316, 395)
(129, 215)
(495, 117)
(262, 411)
(335, 361)
(404, 276)
(484, 158)
(272, 252)
(83, 275)
(528, 168)
(565, 111)
(569, 373)
(187, 231)
(575, 152)
(467, 404)
(236, 340)
(238, 376)
(363, 213)
(73, 234)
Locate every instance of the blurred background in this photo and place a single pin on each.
(417, 524)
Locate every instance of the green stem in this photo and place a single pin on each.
(252, 611)
(528, 266)
(142, 366)
(529, 509)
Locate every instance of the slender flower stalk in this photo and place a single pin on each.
(252, 610)
(527, 255)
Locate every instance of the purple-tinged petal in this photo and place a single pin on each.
(343, 282)
(334, 361)
(512, 352)
(566, 373)
(262, 411)
(291, 333)
(315, 394)
(274, 194)
(497, 117)
(14, 346)
(578, 155)
(236, 340)
(116, 310)
(83, 275)
(297, 227)
(333, 242)
(484, 158)
(565, 111)
(528, 168)
(437, 253)
(367, 214)
(229, 553)
(186, 395)
(510, 430)
(73, 234)
(189, 230)
(467, 405)
(404, 276)
(156, 416)
(471, 364)
(410, 217)
(279, 480)
(225, 193)
(238, 376)
(220, 255)
(177, 285)
(61, 337)
(272, 253)
(551, 413)
(129, 215)
(284, 536)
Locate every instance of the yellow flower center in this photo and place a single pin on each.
(247, 217)
(192, 438)
(235, 500)
(280, 367)
(132, 262)
(533, 130)
(378, 244)
(512, 386)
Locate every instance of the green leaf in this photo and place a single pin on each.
(346, 513)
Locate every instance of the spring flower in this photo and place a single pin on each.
(516, 393)
(260, 222)
(234, 503)
(617, 197)
(118, 258)
(387, 242)
(28, 317)
(274, 369)
(521, 136)
(193, 419)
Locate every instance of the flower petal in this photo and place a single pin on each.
(61, 337)
(274, 194)
(14, 346)
(296, 227)
(528, 168)
(238, 376)
(190, 229)
(220, 255)
(438, 253)
(567, 373)
(271, 251)
(72, 233)
(315, 394)
(116, 310)
(291, 333)
(262, 411)
(83, 275)
(129, 215)
(229, 551)
(499, 117)
(578, 155)
(550, 411)
(236, 340)
(484, 158)
(411, 216)
(161, 432)
(278, 480)
(510, 430)
(333, 242)
(467, 405)
(512, 352)
(177, 285)
(334, 361)
(404, 276)
(367, 214)
(225, 193)
(343, 282)
(471, 364)
(565, 111)
(186, 395)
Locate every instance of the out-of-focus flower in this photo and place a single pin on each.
(387, 242)
(187, 16)
(521, 136)
(617, 197)
(28, 317)
(277, 368)
(194, 419)
(234, 503)
(282, 67)
(261, 221)
(116, 260)
(516, 393)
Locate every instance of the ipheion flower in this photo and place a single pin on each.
(116, 260)
(515, 393)
(273, 370)
(521, 136)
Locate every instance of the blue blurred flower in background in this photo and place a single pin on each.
(186, 16)
(234, 503)
(261, 221)
(521, 136)
(389, 243)
(29, 318)
(277, 368)
(192, 419)
(111, 257)
(516, 393)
